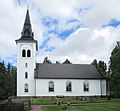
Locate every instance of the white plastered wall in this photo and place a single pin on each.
(77, 87)
(21, 69)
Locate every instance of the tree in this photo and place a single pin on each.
(2, 67)
(12, 81)
(94, 63)
(46, 61)
(57, 62)
(101, 67)
(8, 68)
(67, 62)
(115, 70)
(3, 80)
(7, 81)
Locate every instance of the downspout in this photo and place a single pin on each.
(35, 80)
(35, 87)
(101, 86)
(106, 87)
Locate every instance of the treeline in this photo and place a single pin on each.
(8, 80)
(112, 73)
(48, 61)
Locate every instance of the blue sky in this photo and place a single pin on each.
(65, 29)
(113, 23)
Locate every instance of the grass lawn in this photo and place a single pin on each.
(27, 108)
(86, 107)
(36, 101)
(70, 100)
(105, 100)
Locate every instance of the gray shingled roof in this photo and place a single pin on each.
(66, 71)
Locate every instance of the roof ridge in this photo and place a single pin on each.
(65, 64)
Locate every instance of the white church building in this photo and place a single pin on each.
(37, 79)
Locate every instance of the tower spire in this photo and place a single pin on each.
(27, 29)
(27, 18)
(27, 34)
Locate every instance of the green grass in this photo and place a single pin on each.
(70, 100)
(28, 109)
(36, 101)
(86, 107)
(105, 100)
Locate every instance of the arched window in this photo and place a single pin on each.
(26, 75)
(86, 85)
(23, 53)
(51, 86)
(26, 88)
(28, 53)
(68, 86)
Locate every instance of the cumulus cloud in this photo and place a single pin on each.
(77, 30)
(84, 45)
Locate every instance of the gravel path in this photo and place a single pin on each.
(36, 108)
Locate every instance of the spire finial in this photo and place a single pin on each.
(27, 7)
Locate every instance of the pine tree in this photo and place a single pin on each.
(115, 70)
(7, 81)
(67, 62)
(46, 61)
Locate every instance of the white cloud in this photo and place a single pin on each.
(85, 44)
(101, 12)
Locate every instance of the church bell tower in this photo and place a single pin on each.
(26, 60)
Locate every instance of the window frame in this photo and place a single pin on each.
(26, 75)
(23, 53)
(86, 86)
(68, 86)
(28, 53)
(26, 88)
(49, 88)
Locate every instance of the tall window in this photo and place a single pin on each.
(68, 86)
(51, 86)
(23, 53)
(26, 88)
(28, 53)
(86, 85)
(26, 75)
